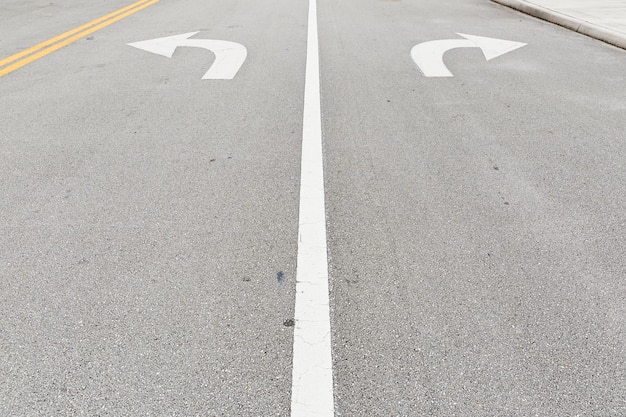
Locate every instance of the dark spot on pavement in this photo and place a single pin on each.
(496, 168)
(289, 323)
(246, 279)
(212, 160)
(280, 277)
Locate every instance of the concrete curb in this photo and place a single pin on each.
(586, 28)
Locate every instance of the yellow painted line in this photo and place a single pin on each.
(53, 44)
(66, 34)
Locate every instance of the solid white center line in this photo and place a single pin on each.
(312, 378)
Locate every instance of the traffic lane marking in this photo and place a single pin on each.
(312, 373)
(428, 56)
(229, 56)
(53, 44)
(62, 36)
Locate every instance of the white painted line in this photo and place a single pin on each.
(312, 378)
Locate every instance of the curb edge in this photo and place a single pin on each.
(586, 28)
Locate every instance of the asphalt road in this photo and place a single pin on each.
(149, 218)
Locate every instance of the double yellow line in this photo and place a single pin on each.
(44, 48)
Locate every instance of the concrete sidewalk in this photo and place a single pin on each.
(601, 19)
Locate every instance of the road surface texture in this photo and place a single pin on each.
(149, 232)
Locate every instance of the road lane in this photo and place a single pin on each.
(475, 223)
(150, 219)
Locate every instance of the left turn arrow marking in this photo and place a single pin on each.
(229, 56)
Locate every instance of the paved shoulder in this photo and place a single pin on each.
(604, 20)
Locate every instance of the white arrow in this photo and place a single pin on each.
(429, 55)
(229, 56)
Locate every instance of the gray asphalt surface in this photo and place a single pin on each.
(148, 235)
(476, 224)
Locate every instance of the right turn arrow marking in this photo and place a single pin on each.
(428, 56)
